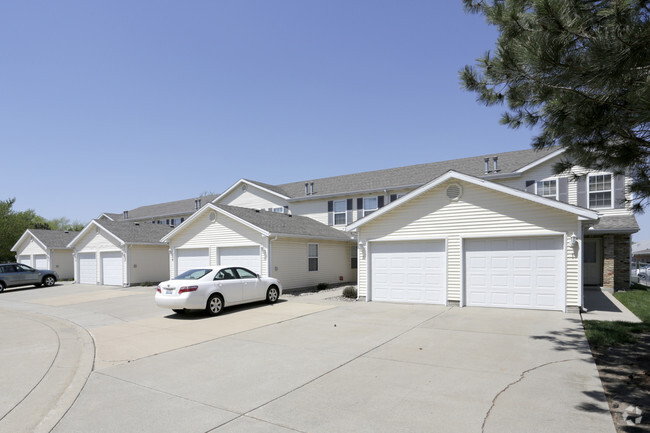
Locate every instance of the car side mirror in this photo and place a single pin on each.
(258, 276)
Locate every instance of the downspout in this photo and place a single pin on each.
(581, 262)
(269, 262)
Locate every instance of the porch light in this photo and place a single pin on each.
(573, 240)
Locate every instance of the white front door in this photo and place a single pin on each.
(87, 268)
(194, 258)
(245, 257)
(593, 261)
(515, 272)
(112, 269)
(413, 271)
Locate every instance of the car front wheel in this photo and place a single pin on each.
(2, 286)
(49, 281)
(214, 305)
(272, 295)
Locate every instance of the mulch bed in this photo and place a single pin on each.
(625, 375)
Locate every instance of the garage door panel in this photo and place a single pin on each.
(112, 269)
(191, 259)
(40, 261)
(87, 268)
(247, 257)
(515, 272)
(408, 272)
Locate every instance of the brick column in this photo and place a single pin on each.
(622, 251)
(609, 264)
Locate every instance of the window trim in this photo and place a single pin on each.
(612, 187)
(310, 257)
(344, 212)
(368, 211)
(557, 187)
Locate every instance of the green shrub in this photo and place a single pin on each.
(350, 292)
(321, 286)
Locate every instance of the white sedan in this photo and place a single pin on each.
(213, 289)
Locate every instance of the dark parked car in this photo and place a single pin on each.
(17, 274)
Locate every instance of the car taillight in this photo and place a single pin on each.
(188, 289)
(158, 289)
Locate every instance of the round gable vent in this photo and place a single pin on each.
(213, 216)
(454, 191)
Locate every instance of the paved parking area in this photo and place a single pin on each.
(307, 364)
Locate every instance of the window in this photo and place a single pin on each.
(245, 273)
(600, 191)
(278, 209)
(340, 209)
(547, 188)
(226, 274)
(369, 205)
(312, 256)
(353, 257)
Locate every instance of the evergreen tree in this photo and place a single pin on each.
(578, 70)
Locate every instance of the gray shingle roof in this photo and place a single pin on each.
(278, 223)
(169, 209)
(53, 238)
(413, 175)
(136, 233)
(615, 223)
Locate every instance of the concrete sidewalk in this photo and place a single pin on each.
(602, 305)
(45, 364)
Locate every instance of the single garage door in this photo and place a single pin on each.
(25, 260)
(112, 269)
(408, 272)
(192, 259)
(246, 257)
(515, 272)
(40, 261)
(87, 268)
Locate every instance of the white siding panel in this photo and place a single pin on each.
(31, 247)
(63, 263)
(148, 264)
(252, 198)
(479, 212)
(290, 264)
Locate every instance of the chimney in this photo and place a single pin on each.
(126, 214)
(197, 203)
(306, 188)
(496, 168)
(311, 188)
(487, 165)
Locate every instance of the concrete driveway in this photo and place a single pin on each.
(307, 364)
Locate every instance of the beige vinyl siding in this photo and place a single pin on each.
(30, 248)
(97, 241)
(148, 264)
(480, 212)
(63, 263)
(290, 263)
(224, 232)
(252, 198)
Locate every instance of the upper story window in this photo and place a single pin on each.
(369, 205)
(278, 209)
(547, 188)
(340, 210)
(600, 191)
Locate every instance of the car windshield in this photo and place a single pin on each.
(193, 274)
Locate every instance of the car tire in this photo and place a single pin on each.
(214, 304)
(2, 286)
(179, 310)
(272, 295)
(49, 280)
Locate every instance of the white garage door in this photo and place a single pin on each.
(40, 261)
(515, 272)
(408, 272)
(191, 259)
(87, 268)
(246, 257)
(25, 260)
(112, 269)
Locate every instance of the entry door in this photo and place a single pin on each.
(593, 261)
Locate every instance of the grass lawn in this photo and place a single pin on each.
(637, 299)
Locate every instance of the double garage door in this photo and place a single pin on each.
(40, 261)
(499, 272)
(247, 257)
(111, 268)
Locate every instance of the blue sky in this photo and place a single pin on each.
(107, 106)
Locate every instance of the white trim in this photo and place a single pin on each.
(581, 286)
(589, 214)
(247, 182)
(612, 188)
(24, 238)
(88, 227)
(541, 160)
(334, 212)
(549, 179)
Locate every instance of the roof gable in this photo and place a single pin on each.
(578, 211)
(271, 189)
(47, 239)
(126, 232)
